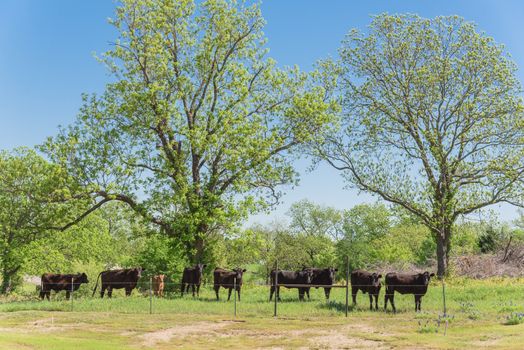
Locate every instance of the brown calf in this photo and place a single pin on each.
(158, 285)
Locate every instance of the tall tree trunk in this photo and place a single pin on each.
(443, 247)
(7, 280)
(198, 246)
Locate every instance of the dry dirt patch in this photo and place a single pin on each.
(200, 328)
(339, 340)
(340, 337)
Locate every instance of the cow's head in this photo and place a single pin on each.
(138, 271)
(82, 278)
(200, 269)
(375, 280)
(159, 278)
(425, 277)
(331, 271)
(306, 275)
(238, 274)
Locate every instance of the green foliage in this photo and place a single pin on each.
(362, 225)
(35, 202)
(465, 238)
(315, 220)
(488, 241)
(403, 244)
(160, 255)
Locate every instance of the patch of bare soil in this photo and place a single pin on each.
(342, 337)
(342, 340)
(150, 339)
(489, 342)
(345, 338)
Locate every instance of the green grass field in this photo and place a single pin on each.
(478, 315)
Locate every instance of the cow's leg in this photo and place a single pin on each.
(198, 290)
(68, 294)
(386, 298)
(376, 301)
(238, 292)
(128, 291)
(271, 291)
(42, 294)
(193, 289)
(229, 293)
(417, 302)
(48, 295)
(182, 289)
(278, 293)
(109, 292)
(307, 293)
(392, 301)
(102, 291)
(327, 292)
(216, 288)
(354, 291)
(370, 302)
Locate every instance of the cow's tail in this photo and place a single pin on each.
(96, 285)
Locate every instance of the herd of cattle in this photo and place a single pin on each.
(303, 280)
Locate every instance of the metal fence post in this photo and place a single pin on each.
(444, 296)
(150, 295)
(72, 290)
(347, 285)
(235, 294)
(276, 289)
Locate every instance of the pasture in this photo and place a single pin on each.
(478, 312)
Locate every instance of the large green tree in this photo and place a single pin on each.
(199, 126)
(432, 120)
(35, 201)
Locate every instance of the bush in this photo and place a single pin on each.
(514, 318)
(488, 241)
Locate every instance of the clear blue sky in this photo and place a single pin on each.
(46, 62)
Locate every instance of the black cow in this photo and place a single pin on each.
(406, 283)
(192, 276)
(324, 277)
(118, 279)
(367, 282)
(226, 279)
(57, 282)
(286, 278)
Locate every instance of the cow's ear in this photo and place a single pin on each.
(432, 275)
(244, 270)
(379, 275)
(336, 270)
(204, 266)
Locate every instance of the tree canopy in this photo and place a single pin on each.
(432, 119)
(199, 127)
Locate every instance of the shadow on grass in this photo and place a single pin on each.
(336, 306)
